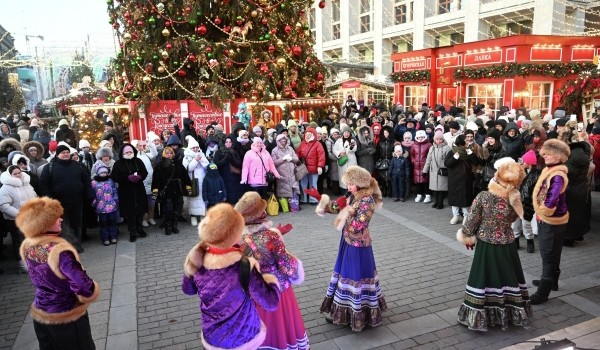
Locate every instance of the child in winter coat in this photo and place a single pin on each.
(228, 285)
(526, 225)
(106, 203)
(104, 157)
(213, 187)
(399, 172)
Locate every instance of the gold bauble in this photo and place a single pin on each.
(271, 96)
(279, 42)
(126, 37)
(166, 32)
(164, 54)
(254, 13)
(278, 97)
(161, 69)
(307, 95)
(281, 62)
(253, 98)
(146, 79)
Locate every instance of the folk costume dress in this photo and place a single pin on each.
(285, 327)
(354, 297)
(496, 291)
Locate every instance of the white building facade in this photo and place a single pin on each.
(369, 31)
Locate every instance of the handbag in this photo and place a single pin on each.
(273, 206)
(441, 171)
(382, 164)
(234, 170)
(342, 160)
(294, 203)
(300, 171)
(195, 192)
(269, 176)
(284, 204)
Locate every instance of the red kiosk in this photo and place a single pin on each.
(514, 71)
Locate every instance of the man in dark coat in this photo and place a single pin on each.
(66, 134)
(512, 141)
(188, 129)
(129, 173)
(69, 182)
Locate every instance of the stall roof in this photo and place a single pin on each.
(376, 84)
(93, 106)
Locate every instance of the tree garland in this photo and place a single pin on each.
(411, 76)
(572, 94)
(510, 70)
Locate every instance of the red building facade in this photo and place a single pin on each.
(515, 71)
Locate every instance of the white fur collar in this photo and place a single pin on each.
(7, 179)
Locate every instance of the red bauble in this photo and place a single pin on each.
(116, 25)
(229, 64)
(167, 23)
(201, 29)
(264, 21)
(192, 58)
(271, 48)
(308, 61)
(320, 76)
(322, 4)
(189, 9)
(239, 22)
(264, 68)
(226, 52)
(129, 22)
(293, 84)
(274, 31)
(181, 73)
(287, 29)
(217, 21)
(127, 14)
(140, 23)
(245, 85)
(297, 50)
(208, 49)
(226, 29)
(169, 46)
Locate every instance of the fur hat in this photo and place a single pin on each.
(420, 133)
(357, 176)
(502, 161)
(345, 128)
(222, 226)
(103, 152)
(398, 148)
(151, 136)
(561, 122)
(510, 173)
(557, 148)
(84, 143)
(37, 215)
(256, 129)
(191, 142)
(252, 207)
(494, 134)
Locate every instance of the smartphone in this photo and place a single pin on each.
(579, 127)
(573, 117)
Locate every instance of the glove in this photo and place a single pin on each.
(470, 246)
(287, 157)
(134, 178)
(284, 228)
(456, 155)
(469, 152)
(319, 170)
(154, 194)
(326, 168)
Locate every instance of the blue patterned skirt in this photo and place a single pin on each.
(354, 297)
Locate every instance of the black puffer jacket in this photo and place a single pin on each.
(527, 193)
(513, 146)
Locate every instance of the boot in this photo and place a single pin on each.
(167, 226)
(530, 246)
(132, 237)
(518, 242)
(554, 285)
(440, 199)
(541, 295)
(312, 192)
(174, 228)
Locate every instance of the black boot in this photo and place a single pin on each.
(530, 246)
(436, 200)
(541, 296)
(518, 242)
(167, 227)
(440, 199)
(554, 285)
(174, 228)
(132, 237)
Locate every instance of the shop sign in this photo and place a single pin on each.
(484, 57)
(351, 84)
(416, 64)
(202, 115)
(546, 54)
(448, 62)
(582, 53)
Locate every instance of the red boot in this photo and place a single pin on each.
(341, 202)
(313, 193)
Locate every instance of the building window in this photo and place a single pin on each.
(335, 16)
(365, 6)
(365, 24)
(489, 95)
(401, 47)
(400, 13)
(376, 97)
(415, 96)
(445, 6)
(335, 30)
(312, 19)
(457, 38)
(365, 55)
(540, 97)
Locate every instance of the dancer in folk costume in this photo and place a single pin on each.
(354, 297)
(496, 292)
(217, 272)
(285, 327)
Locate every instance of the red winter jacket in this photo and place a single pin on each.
(595, 142)
(312, 152)
(418, 157)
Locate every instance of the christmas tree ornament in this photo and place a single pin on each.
(169, 46)
(192, 58)
(322, 4)
(152, 20)
(164, 54)
(264, 21)
(161, 69)
(181, 73)
(126, 37)
(166, 32)
(160, 7)
(167, 23)
(264, 68)
(140, 23)
(201, 29)
(287, 29)
(146, 79)
(254, 13)
(297, 50)
(193, 22)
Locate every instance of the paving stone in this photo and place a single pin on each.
(123, 294)
(124, 341)
(418, 326)
(122, 319)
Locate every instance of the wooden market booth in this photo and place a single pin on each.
(514, 71)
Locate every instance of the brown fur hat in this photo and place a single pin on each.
(222, 226)
(37, 215)
(510, 174)
(557, 148)
(252, 207)
(357, 176)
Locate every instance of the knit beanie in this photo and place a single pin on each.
(84, 143)
(530, 158)
(62, 148)
(52, 146)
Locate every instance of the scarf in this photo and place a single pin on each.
(461, 151)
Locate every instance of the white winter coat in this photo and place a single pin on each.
(148, 158)
(196, 169)
(14, 193)
(339, 147)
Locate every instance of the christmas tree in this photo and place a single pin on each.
(219, 49)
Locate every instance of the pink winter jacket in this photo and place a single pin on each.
(253, 172)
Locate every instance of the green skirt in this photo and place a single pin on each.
(496, 293)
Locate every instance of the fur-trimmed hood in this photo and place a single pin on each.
(361, 137)
(508, 192)
(10, 141)
(103, 152)
(9, 180)
(40, 150)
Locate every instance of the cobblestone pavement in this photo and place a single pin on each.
(422, 269)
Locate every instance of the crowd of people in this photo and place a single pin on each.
(503, 174)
